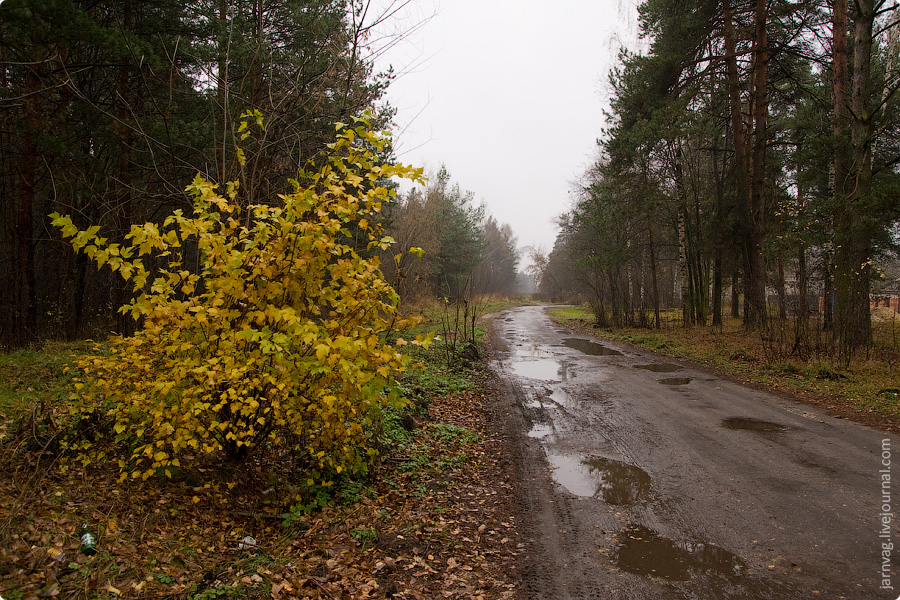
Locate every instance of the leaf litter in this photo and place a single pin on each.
(441, 527)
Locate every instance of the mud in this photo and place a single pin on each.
(660, 367)
(645, 552)
(675, 380)
(743, 423)
(633, 490)
(590, 348)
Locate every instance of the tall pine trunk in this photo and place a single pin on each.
(754, 261)
(653, 277)
(853, 232)
(749, 189)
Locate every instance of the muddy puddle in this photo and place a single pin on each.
(660, 367)
(546, 369)
(620, 483)
(533, 351)
(561, 397)
(613, 481)
(743, 423)
(534, 403)
(590, 348)
(675, 381)
(540, 430)
(644, 552)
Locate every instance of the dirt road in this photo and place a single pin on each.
(644, 478)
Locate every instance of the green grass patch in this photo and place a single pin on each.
(29, 377)
(433, 375)
(571, 312)
(446, 366)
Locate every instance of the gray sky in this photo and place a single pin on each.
(509, 95)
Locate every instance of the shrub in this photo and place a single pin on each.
(279, 338)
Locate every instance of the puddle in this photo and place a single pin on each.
(675, 381)
(572, 473)
(561, 397)
(533, 350)
(589, 347)
(644, 552)
(660, 367)
(546, 369)
(620, 483)
(615, 482)
(751, 424)
(539, 430)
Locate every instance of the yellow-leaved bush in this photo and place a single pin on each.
(266, 328)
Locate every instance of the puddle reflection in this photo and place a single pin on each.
(644, 552)
(545, 369)
(615, 482)
(561, 397)
(589, 347)
(540, 430)
(751, 424)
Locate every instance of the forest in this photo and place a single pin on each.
(751, 152)
(110, 108)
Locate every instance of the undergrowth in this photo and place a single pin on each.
(182, 537)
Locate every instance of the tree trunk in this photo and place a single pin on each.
(801, 330)
(719, 237)
(122, 291)
(222, 91)
(653, 277)
(827, 290)
(735, 296)
(853, 176)
(27, 296)
(754, 261)
(748, 195)
(700, 269)
(686, 312)
(717, 289)
(780, 283)
(24, 253)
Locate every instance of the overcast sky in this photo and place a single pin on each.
(509, 95)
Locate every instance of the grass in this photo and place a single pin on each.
(865, 385)
(564, 313)
(30, 377)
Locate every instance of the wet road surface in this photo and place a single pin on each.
(642, 477)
